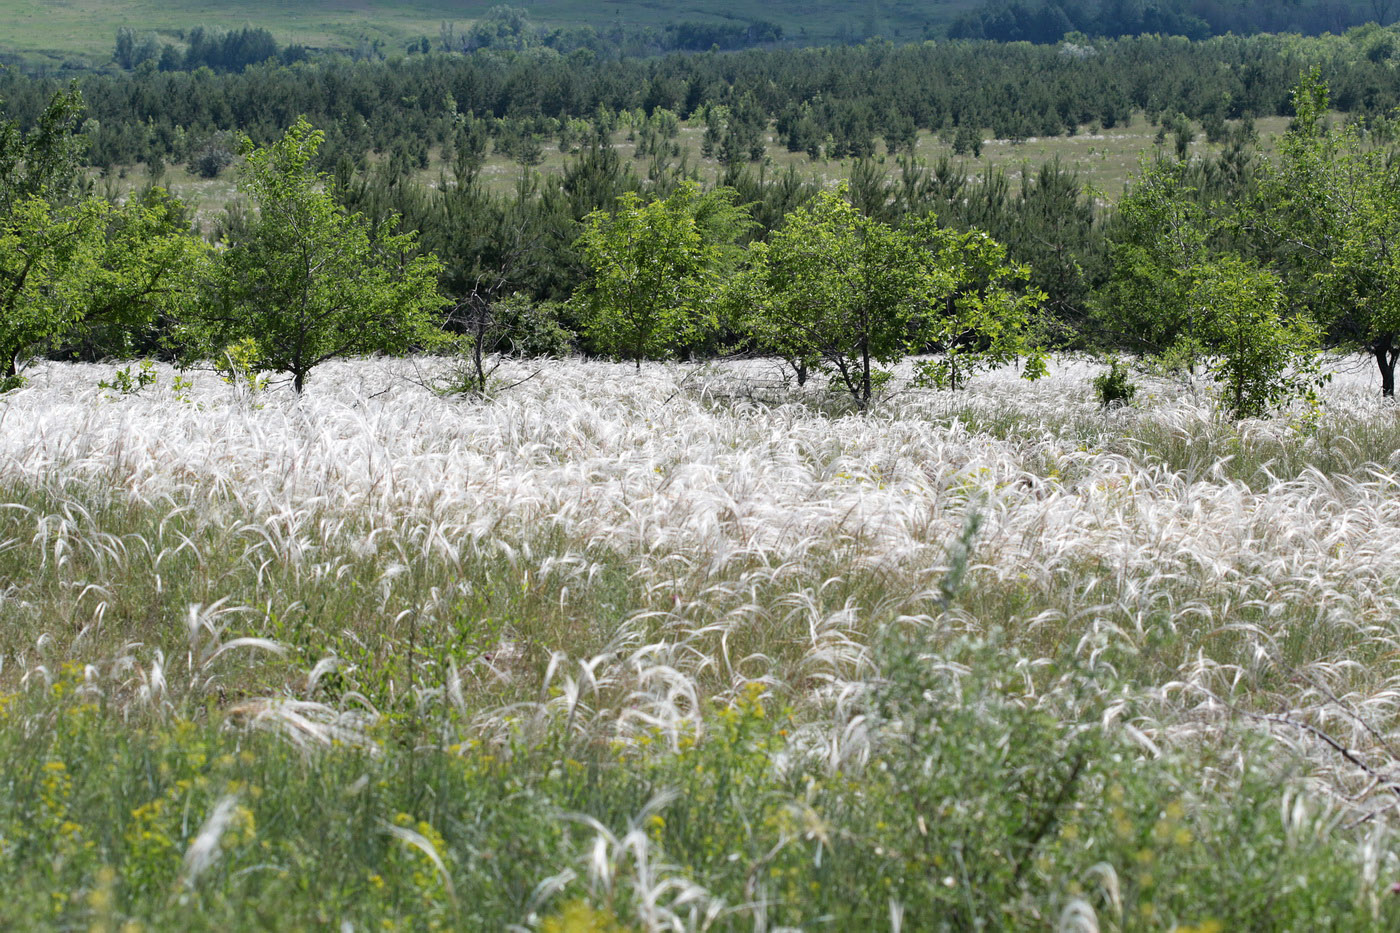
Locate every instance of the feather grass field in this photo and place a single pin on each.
(684, 648)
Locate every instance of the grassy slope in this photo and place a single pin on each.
(86, 27)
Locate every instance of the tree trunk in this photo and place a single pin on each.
(1386, 355)
(864, 373)
(480, 364)
(298, 381)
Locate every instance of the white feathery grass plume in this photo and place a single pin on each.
(548, 889)
(745, 522)
(152, 689)
(1078, 916)
(622, 867)
(305, 723)
(204, 850)
(321, 668)
(1107, 879)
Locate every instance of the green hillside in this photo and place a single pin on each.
(80, 33)
(65, 29)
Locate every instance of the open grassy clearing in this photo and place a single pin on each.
(1106, 161)
(684, 649)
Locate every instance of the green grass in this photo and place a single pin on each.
(85, 29)
(986, 813)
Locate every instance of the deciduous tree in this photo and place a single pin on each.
(1331, 201)
(48, 238)
(1183, 297)
(305, 280)
(654, 270)
(836, 290)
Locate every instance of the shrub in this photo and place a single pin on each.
(531, 329)
(210, 159)
(1113, 387)
(127, 382)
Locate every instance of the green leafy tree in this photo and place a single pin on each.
(47, 254)
(987, 320)
(305, 280)
(1262, 357)
(655, 270)
(49, 239)
(145, 278)
(1331, 201)
(1186, 300)
(1162, 235)
(72, 266)
(43, 163)
(841, 292)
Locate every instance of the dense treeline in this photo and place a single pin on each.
(502, 28)
(1231, 262)
(506, 28)
(1237, 264)
(510, 28)
(1049, 20)
(526, 242)
(231, 50)
(523, 241)
(834, 102)
(509, 267)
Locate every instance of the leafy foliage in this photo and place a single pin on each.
(1162, 233)
(1331, 203)
(306, 281)
(1188, 300)
(72, 265)
(988, 320)
(1114, 386)
(655, 271)
(1262, 358)
(839, 291)
(48, 239)
(148, 271)
(47, 254)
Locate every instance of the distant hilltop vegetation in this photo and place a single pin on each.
(49, 36)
